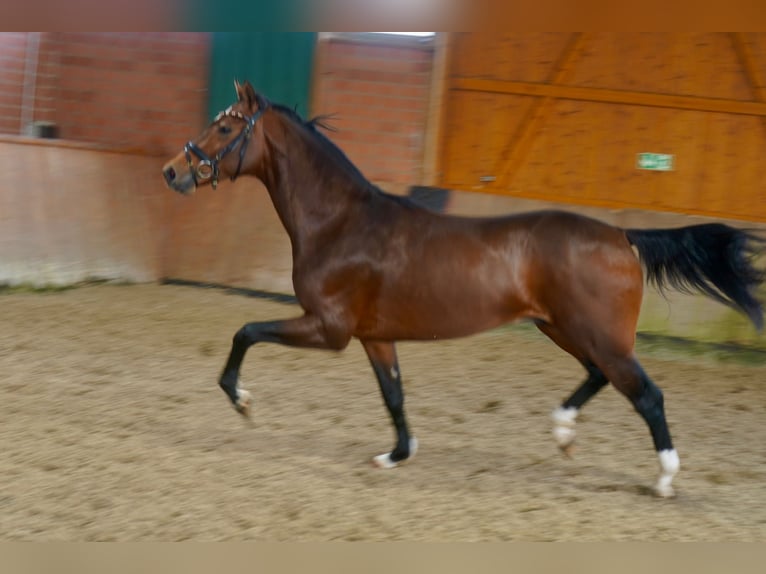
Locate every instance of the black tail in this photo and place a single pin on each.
(713, 258)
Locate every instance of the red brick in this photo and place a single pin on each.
(10, 98)
(99, 86)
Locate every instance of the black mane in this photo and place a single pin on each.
(343, 160)
(325, 142)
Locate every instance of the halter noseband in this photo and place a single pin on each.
(208, 168)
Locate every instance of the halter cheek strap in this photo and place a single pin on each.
(207, 168)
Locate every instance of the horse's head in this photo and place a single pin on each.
(222, 149)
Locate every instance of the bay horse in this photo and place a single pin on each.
(379, 268)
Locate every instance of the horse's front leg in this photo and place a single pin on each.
(306, 331)
(382, 356)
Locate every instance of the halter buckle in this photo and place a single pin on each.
(205, 169)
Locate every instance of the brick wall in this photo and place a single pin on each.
(144, 91)
(147, 91)
(379, 91)
(12, 56)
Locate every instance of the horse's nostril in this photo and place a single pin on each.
(170, 174)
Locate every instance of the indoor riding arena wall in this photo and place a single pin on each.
(70, 212)
(113, 424)
(91, 205)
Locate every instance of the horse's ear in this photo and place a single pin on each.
(247, 95)
(250, 96)
(241, 92)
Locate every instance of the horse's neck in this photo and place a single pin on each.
(311, 200)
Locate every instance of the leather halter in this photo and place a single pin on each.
(207, 168)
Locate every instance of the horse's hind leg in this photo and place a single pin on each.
(382, 356)
(630, 379)
(565, 415)
(626, 374)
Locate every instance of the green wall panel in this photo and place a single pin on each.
(277, 64)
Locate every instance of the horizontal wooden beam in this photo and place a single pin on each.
(609, 96)
(565, 200)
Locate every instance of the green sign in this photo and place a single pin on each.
(655, 161)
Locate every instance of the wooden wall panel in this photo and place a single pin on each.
(562, 116)
(522, 56)
(475, 123)
(691, 63)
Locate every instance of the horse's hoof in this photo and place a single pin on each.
(669, 463)
(244, 402)
(385, 461)
(664, 491)
(568, 450)
(564, 429)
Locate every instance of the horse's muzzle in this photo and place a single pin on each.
(182, 183)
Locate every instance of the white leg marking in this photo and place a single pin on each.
(244, 400)
(564, 425)
(384, 460)
(669, 465)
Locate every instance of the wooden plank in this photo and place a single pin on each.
(610, 96)
(747, 60)
(518, 146)
(612, 203)
(570, 131)
(436, 110)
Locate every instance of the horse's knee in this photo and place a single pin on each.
(244, 337)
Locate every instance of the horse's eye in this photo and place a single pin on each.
(223, 129)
